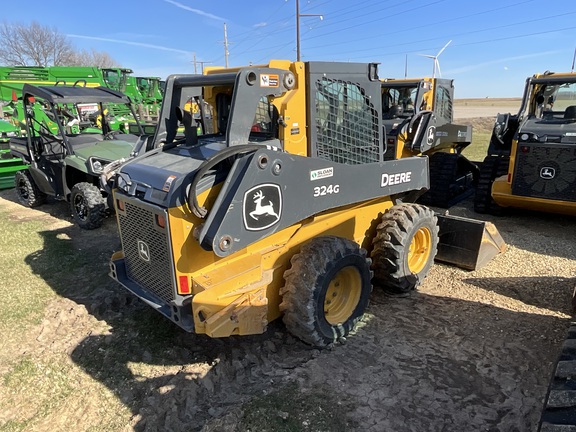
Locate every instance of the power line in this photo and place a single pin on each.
(459, 34)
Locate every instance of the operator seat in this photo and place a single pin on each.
(190, 132)
(570, 113)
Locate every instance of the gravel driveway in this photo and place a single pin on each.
(469, 351)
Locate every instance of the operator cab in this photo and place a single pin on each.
(200, 113)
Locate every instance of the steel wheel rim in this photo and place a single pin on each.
(80, 207)
(419, 251)
(342, 295)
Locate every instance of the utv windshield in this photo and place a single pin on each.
(553, 101)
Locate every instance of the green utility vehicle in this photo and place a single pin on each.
(66, 152)
(9, 165)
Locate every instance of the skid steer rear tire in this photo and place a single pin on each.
(327, 290)
(27, 191)
(404, 247)
(88, 205)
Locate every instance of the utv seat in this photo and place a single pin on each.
(570, 113)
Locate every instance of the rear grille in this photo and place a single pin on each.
(545, 172)
(140, 237)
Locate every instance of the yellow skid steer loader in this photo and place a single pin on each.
(267, 194)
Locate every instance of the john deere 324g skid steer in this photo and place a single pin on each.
(275, 199)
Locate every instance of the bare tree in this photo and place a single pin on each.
(92, 58)
(38, 45)
(33, 45)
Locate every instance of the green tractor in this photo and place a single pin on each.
(9, 164)
(13, 79)
(67, 153)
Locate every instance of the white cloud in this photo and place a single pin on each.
(493, 62)
(126, 42)
(196, 11)
(259, 25)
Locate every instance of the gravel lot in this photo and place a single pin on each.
(470, 351)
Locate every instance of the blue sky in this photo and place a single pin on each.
(495, 44)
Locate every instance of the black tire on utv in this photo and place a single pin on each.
(27, 191)
(327, 290)
(404, 247)
(88, 205)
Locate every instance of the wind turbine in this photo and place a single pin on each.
(435, 58)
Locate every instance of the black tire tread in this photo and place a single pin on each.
(445, 171)
(298, 301)
(391, 245)
(95, 202)
(492, 168)
(559, 411)
(33, 197)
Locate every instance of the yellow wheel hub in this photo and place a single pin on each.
(419, 252)
(343, 295)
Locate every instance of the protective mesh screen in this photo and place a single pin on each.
(138, 230)
(346, 123)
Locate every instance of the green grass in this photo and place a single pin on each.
(481, 133)
(477, 150)
(24, 296)
(287, 409)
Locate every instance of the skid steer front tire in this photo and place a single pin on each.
(327, 290)
(404, 247)
(88, 205)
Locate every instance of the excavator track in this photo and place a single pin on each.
(559, 412)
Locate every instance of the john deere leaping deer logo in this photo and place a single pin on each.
(262, 207)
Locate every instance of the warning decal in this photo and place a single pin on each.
(269, 80)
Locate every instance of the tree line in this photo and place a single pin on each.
(39, 45)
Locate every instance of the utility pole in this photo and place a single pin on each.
(406, 66)
(298, 15)
(226, 45)
(202, 63)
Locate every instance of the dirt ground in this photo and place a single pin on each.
(469, 351)
(487, 107)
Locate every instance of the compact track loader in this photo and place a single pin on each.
(418, 116)
(531, 159)
(272, 197)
